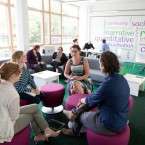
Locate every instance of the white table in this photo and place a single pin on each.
(136, 83)
(92, 51)
(45, 77)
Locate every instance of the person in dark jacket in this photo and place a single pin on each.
(87, 46)
(111, 100)
(34, 60)
(58, 58)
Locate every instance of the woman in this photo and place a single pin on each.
(13, 117)
(26, 85)
(34, 60)
(78, 81)
(58, 58)
(111, 98)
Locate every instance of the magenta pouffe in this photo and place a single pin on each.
(73, 100)
(21, 138)
(131, 101)
(23, 102)
(121, 138)
(54, 98)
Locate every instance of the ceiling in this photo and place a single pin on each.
(94, 2)
(82, 2)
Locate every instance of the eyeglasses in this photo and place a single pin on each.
(74, 51)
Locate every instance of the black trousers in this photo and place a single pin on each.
(31, 99)
(40, 67)
(55, 65)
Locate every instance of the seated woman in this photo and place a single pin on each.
(13, 117)
(78, 81)
(26, 84)
(111, 99)
(58, 58)
(34, 60)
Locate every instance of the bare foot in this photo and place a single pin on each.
(51, 133)
(71, 116)
(68, 132)
(39, 137)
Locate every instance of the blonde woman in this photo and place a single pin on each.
(26, 84)
(13, 117)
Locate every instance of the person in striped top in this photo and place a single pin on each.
(78, 81)
(26, 85)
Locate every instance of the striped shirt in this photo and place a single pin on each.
(25, 83)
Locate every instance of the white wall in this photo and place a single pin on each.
(83, 25)
(107, 8)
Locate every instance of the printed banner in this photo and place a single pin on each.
(121, 32)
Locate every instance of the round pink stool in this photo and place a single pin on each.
(121, 138)
(130, 103)
(23, 102)
(54, 98)
(21, 138)
(73, 100)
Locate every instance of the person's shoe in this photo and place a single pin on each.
(65, 81)
(67, 132)
(71, 116)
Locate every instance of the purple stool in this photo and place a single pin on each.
(23, 102)
(73, 100)
(21, 138)
(54, 97)
(121, 138)
(130, 103)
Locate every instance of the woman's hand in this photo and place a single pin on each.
(42, 62)
(80, 105)
(37, 91)
(74, 78)
(38, 62)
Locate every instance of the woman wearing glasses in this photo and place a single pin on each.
(78, 81)
(58, 58)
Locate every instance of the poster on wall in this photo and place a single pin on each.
(121, 33)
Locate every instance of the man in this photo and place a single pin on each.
(87, 46)
(105, 46)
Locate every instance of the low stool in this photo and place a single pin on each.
(21, 138)
(121, 138)
(54, 93)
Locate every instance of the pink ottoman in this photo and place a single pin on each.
(23, 102)
(130, 103)
(121, 138)
(21, 138)
(54, 98)
(73, 100)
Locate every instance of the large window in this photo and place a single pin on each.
(35, 25)
(50, 23)
(7, 24)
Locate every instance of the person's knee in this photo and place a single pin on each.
(36, 100)
(37, 68)
(42, 96)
